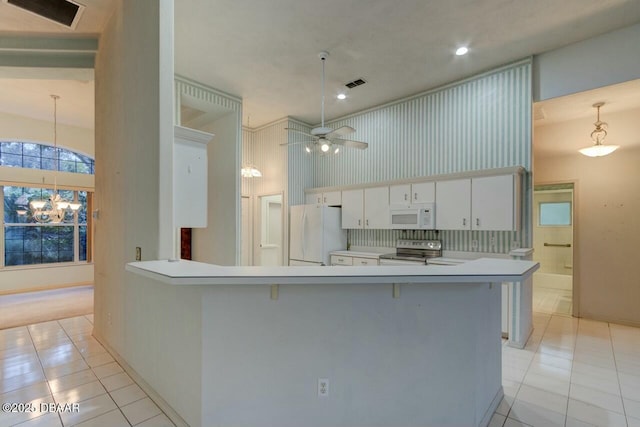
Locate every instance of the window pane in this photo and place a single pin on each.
(11, 148)
(12, 160)
(38, 245)
(31, 162)
(555, 213)
(31, 149)
(83, 243)
(82, 212)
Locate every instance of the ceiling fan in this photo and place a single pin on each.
(327, 138)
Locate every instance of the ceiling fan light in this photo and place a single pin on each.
(324, 147)
(307, 149)
(337, 150)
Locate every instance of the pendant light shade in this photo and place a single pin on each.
(598, 149)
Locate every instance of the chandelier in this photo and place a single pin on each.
(54, 209)
(598, 149)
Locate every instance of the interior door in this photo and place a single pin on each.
(271, 230)
(296, 250)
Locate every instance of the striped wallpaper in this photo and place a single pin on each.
(480, 123)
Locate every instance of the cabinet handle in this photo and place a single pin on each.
(478, 221)
(405, 196)
(415, 196)
(464, 221)
(367, 223)
(341, 259)
(358, 222)
(364, 262)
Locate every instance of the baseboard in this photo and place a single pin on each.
(608, 320)
(486, 419)
(153, 395)
(45, 288)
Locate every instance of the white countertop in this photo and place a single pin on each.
(196, 273)
(357, 254)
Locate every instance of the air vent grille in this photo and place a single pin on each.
(63, 12)
(357, 82)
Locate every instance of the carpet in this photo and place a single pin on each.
(35, 307)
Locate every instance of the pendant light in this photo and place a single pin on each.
(598, 149)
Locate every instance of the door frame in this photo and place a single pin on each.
(575, 278)
(257, 226)
(249, 232)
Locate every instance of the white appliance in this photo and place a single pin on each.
(314, 231)
(413, 217)
(413, 252)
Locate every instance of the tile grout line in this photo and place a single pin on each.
(615, 363)
(91, 369)
(46, 379)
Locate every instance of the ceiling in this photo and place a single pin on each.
(266, 52)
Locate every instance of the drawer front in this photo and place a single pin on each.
(341, 260)
(365, 261)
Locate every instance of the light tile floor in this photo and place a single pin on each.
(59, 362)
(572, 373)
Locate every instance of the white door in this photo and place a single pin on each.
(312, 237)
(492, 203)
(353, 209)
(246, 231)
(296, 250)
(376, 208)
(453, 204)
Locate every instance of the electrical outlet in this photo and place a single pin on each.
(323, 387)
(138, 253)
(474, 244)
(109, 319)
(493, 241)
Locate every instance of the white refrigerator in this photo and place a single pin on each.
(314, 231)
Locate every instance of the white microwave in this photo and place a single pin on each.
(413, 217)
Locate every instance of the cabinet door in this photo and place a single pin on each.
(332, 198)
(313, 198)
(376, 208)
(453, 205)
(353, 209)
(364, 262)
(400, 194)
(423, 192)
(492, 203)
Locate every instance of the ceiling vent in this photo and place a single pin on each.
(63, 12)
(357, 82)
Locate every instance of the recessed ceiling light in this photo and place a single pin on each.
(462, 51)
(341, 96)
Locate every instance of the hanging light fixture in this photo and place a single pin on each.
(54, 209)
(598, 149)
(250, 171)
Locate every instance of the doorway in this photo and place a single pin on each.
(270, 220)
(553, 222)
(246, 232)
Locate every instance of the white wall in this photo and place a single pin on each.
(218, 243)
(134, 141)
(596, 62)
(22, 128)
(606, 214)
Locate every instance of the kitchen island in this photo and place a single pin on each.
(250, 346)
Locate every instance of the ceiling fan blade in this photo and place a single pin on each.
(299, 142)
(344, 130)
(298, 131)
(349, 143)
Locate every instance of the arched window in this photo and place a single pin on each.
(27, 242)
(40, 156)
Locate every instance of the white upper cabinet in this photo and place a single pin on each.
(329, 198)
(353, 209)
(483, 203)
(420, 192)
(367, 208)
(453, 204)
(376, 207)
(495, 202)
